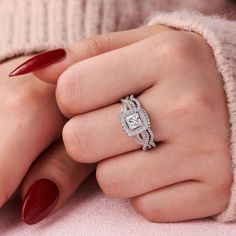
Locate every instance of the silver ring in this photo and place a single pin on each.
(135, 122)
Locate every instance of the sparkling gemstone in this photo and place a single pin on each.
(133, 121)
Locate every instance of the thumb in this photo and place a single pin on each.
(60, 59)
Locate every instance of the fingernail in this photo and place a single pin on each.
(39, 201)
(39, 61)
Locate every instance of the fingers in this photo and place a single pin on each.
(90, 47)
(50, 182)
(135, 173)
(182, 201)
(29, 122)
(94, 136)
(103, 80)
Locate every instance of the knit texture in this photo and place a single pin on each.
(29, 26)
(221, 36)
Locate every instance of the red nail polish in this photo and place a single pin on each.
(39, 61)
(39, 201)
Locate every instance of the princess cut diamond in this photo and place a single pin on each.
(133, 121)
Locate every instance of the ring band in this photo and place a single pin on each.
(135, 122)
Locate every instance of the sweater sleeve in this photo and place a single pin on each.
(221, 36)
(28, 26)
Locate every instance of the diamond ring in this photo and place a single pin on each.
(135, 122)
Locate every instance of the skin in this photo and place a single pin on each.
(173, 74)
(30, 123)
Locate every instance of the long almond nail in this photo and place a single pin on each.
(39, 201)
(39, 61)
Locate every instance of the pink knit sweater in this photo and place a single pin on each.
(28, 26)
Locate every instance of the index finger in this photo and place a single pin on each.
(61, 59)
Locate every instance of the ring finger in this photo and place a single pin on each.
(94, 136)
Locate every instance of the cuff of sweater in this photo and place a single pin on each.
(28, 26)
(221, 36)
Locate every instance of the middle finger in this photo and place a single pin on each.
(102, 80)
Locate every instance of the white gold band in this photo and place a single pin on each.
(135, 122)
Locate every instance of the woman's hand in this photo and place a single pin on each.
(174, 76)
(29, 122)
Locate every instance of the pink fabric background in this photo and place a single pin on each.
(90, 212)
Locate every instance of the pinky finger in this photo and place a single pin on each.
(186, 200)
(51, 180)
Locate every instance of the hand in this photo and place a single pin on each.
(174, 76)
(30, 122)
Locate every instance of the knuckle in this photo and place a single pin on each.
(72, 141)
(221, 199)
(63, 168)
(74, 133)
(218, 178)
(71, 89)
(107, 180)
(24, 100)
(96, 44)
(184, 47)
(66, 87)
(224, 182)
(146, 209)
(190, 105)
(72, 52)
(220, 188)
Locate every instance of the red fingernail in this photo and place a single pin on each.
(39, 201)
(38, 62)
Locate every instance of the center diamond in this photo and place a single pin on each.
(133, 121)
